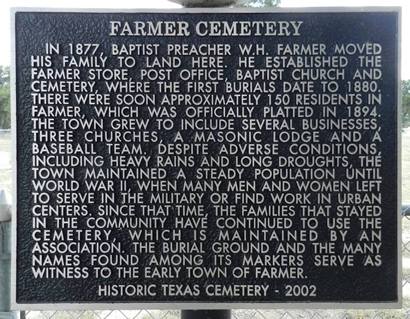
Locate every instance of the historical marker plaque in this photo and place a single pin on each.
(188, 158)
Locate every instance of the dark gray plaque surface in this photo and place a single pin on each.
(344, 251)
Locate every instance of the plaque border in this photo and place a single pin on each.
(209, 305)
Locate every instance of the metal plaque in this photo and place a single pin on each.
(206, 159)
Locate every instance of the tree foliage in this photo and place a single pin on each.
(257, 3)
(4, 97)
(405, 96)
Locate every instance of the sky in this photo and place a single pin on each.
(5, 6)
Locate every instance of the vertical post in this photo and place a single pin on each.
(5, 258)
(205, 314)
